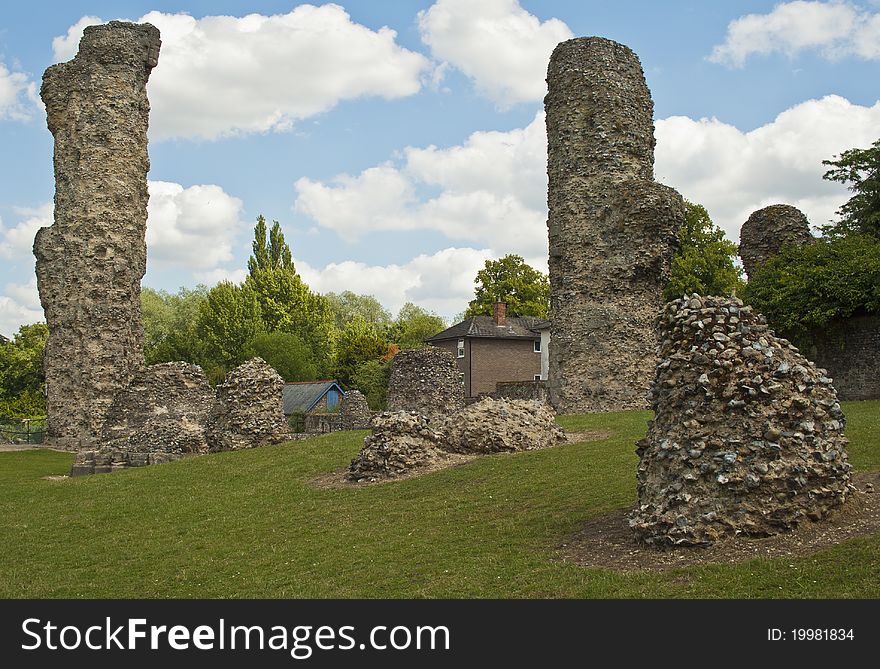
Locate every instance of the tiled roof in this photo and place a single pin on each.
(484, 326)
(303, 396)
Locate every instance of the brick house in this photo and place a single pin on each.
(489, 349)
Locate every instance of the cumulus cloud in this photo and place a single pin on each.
(14, 314)
(222, 75)
(835, 29)
(191, 227)
(18, 95)
(215, 276)
(733, 173)
(492, 190)
(442, 282)
(503, 48)
(17, 243)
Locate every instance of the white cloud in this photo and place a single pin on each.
(442, 282)
(18, 95)
(498, 44)
(215, 276)
(17, 243)
(13, 315)
(836, 29)
(732, 173)
(64, 47)
(193, 228)
(492, 190)
(222, 75)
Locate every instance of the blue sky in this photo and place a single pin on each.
(401, 143)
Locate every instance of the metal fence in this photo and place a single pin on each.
(24, 431)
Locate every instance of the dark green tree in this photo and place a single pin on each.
(413, 325)
(21, 373)
(273, 253)
(291, 357)
(704, 263)
(803, 288)
(170, 322)
(228, 322)
(346, 306)
(860, 170)
(371, 378)
(359, 342)
(510, 279)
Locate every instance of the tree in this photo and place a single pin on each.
(860, 168)
(371, 378)
(510, 279)
(413, 326)
(291, 357)
(803, 288)
(170, 322)
(228, 322)
(704, 263)
(21, 373)
(346, 306)
(358, 342)
(271, 254)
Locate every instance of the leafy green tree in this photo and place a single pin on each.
(286, 303)
(413, 326)
(346, 306)
(371, 378)
(704, 263)
(860, 168)
(805, 287)
(170, 322)
(510, 279)
(21, 373)
(358, 342)
(228, 322)
(291, 357)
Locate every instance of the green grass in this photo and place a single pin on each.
(249, 524)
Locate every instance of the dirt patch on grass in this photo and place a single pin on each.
(607, 542)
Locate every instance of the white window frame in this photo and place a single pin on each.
(536, 345)
(460, 351)
(537, 377)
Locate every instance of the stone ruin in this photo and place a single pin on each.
(612, 229)
(403, 441)
(169, 411)
(747, 436)
(354, 411)
(426, 381)
(91, 260)
(767, 230)
(101, 399)
(248, 411)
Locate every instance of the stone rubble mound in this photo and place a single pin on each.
(248, 411)
(401, 441)
(405, 441)
(747, 436)
(502, 425)
(427, 381)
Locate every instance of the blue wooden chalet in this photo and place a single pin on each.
(311, 396)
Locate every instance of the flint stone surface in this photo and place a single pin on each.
(164, 410)
(248, 410)
(747, 436)
(401, 442)
(354, 411)
(500, 425)
(612, 229)
(767, 230)
(91, 260)
(426, 381)
(108, 460)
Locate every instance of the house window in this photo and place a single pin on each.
(461, 348)
(537, 346)
(537, 377)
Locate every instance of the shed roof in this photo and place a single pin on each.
(484, 326)
(303, 396)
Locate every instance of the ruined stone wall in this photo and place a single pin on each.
(767, 230)
(849, 349)
(354, 411)
(91, 260)
(401, 441)
(427, 381)
(612, 229)
(747, 436)
(521, 390)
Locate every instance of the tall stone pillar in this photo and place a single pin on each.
(91, 261)
(612, 229)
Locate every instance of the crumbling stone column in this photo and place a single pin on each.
(747, 436)
(91, 261)
(427, 381)
(767, 231)
(612, 229)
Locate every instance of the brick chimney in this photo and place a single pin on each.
(499, 313)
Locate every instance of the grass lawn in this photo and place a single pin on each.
(249, 524)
